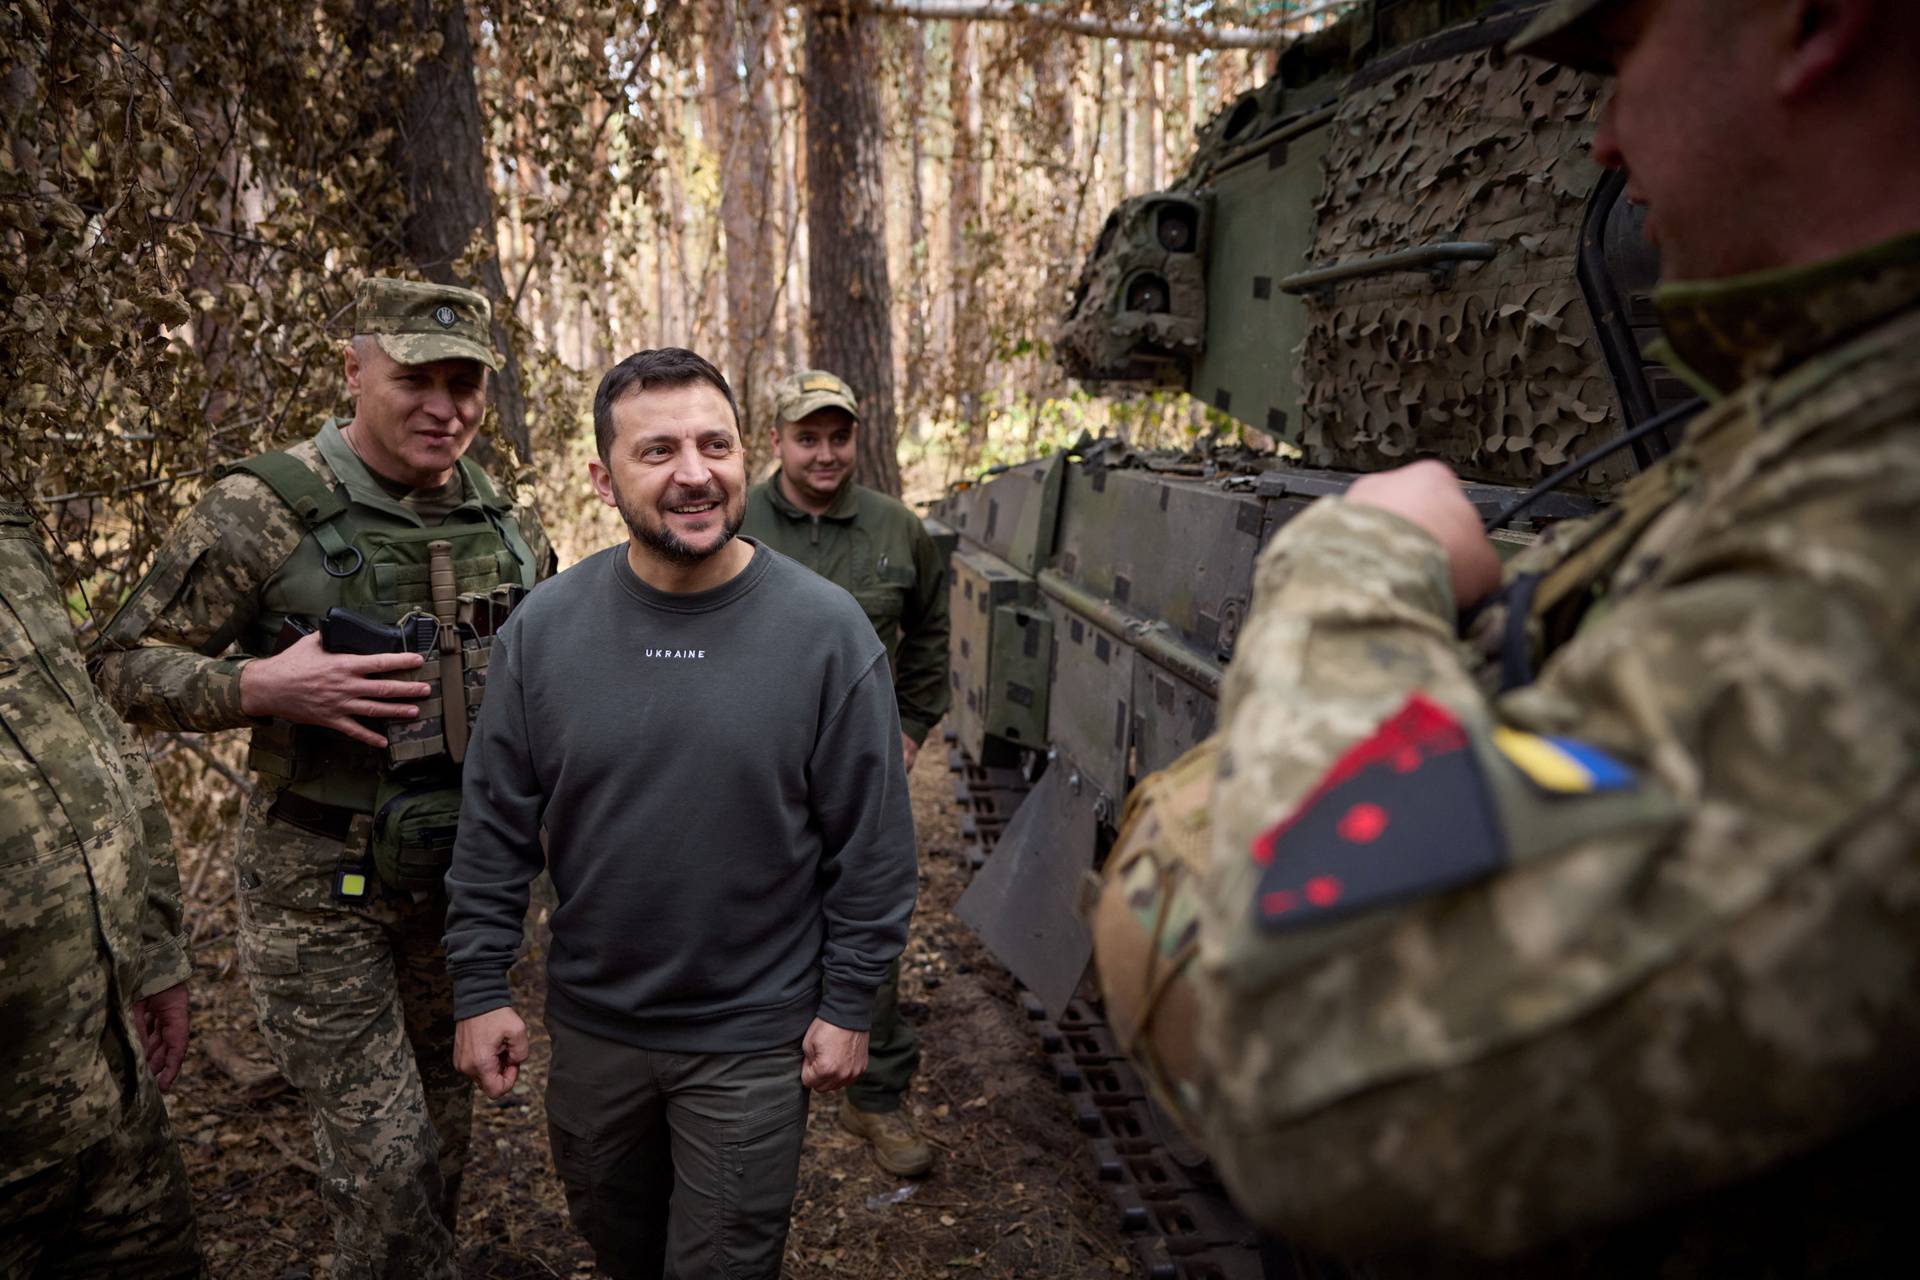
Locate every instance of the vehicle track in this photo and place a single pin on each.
(1172, 1214)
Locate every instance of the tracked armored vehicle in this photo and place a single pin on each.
(1396, 247)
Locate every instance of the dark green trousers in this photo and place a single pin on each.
(676, 1165)
(893, 1051)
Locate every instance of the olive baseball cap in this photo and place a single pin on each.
(800, 394)
(1563, 32)
(419, 323)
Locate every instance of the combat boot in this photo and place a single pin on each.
(897, 1144)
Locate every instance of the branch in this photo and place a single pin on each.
(197, 744)
(1168, 33)
(155, 483)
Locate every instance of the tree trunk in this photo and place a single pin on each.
(790, 148)
(439, 157)
(740, 123)
(963, 225)
(917, 262)
(1157, 118)
(849, 308)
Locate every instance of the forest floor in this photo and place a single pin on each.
(1012, 1192)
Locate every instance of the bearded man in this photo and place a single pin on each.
(707, 734)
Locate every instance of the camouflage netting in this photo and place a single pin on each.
(1498, 372)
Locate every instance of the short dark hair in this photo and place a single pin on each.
(644, 370)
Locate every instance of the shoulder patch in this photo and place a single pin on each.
(1404, 813)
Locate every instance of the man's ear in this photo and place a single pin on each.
(350, 363)
(1824, 36)
(602, 481)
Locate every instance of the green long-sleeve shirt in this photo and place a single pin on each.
(877, 549)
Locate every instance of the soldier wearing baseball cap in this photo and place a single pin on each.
(344, 958)
(1666, 1024)
(874, 546)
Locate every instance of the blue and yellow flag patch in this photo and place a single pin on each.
(1562, 765)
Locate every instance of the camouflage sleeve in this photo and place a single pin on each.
(921, 686)
(159, 661)
(546, 559)
(1640, 990)
(163, 924)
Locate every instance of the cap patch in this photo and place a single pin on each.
(1404, 813)
(444, 315)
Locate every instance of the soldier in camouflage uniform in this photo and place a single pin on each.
(94, 980)
(347, 971)
(1591, 944)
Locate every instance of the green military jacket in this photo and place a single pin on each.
(877, 549)
(1675, 940)
(90, 916)
(228, 574)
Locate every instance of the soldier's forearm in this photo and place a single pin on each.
(921, 690)
(1349, 617)
(168, 688)
(163, 925)
(922, 699)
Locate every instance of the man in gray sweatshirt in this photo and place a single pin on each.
(707, 734)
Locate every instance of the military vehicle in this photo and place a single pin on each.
(1396, 247)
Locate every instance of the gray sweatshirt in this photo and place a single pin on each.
(720, 780)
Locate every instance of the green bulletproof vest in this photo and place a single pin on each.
(365, 551)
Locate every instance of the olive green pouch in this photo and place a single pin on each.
(413, 832)
(473, 674)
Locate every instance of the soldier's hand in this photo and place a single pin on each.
(909, 751)
(489, 1049)
(308, 685)
(161, 1020)
(1429, 495)
(831, 1057)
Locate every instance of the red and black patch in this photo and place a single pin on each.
(1403, 814)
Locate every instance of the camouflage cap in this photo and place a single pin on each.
(420, 323)
(1563, 32)
(800, 394)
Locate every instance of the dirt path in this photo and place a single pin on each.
(1012, 1193)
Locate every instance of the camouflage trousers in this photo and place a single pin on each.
(893, 1051)
(355, 1004)
(121, 1208)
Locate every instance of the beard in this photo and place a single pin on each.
(651, 531)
